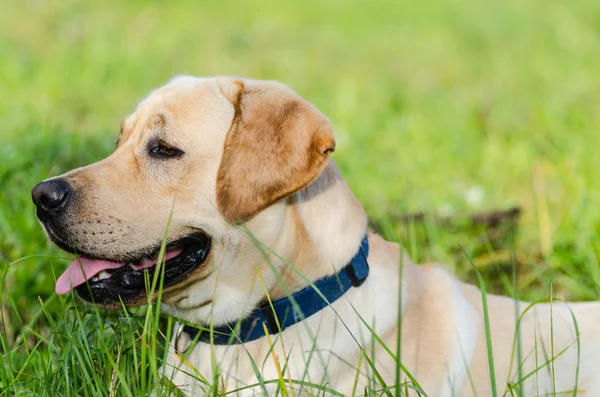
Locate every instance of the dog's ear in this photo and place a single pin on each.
(277, 144)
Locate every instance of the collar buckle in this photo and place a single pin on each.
(355, 278)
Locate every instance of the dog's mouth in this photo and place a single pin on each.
(105, 281)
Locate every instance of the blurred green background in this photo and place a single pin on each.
(441, 108)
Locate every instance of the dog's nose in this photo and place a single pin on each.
(52, 195)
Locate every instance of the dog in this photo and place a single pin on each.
(258, 217)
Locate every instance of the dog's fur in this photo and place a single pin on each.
(256, 155)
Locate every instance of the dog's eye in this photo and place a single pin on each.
(160, 149)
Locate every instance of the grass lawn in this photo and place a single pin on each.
(448, 109)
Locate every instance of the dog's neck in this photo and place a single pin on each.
(317, 231)
(328, 224)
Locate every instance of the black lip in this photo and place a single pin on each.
(126, 284)
(54, 237)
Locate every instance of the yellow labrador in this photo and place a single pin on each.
(221, 159)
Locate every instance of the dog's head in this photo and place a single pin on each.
(195, 160)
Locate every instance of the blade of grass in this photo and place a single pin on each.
(486, 321)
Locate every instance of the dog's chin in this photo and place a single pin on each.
(130, 284)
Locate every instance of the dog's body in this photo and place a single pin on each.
(442, 327)
(254, 152)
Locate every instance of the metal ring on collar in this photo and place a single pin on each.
(176, 341)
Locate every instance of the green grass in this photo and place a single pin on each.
(442, 107)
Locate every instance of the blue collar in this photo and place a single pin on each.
(290, 310)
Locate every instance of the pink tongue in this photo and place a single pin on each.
(82, 269)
